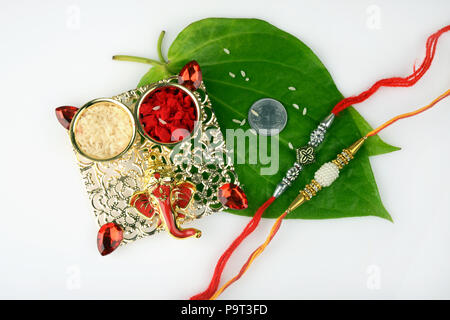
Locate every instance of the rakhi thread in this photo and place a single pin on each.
(396, 81)
(408, 114)
(251, 226)
(316, 138)
(253, 256)
(277, 224)
(306, 154)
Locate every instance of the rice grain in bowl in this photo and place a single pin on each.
(103, 129)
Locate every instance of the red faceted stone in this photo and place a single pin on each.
(232, 196)
(109, 238)
(65, 114)
(190, 76)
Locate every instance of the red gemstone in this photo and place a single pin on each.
(65, 114)
(190, 76)
(109, 238)
(232, 196)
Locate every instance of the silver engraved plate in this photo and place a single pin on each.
(203, 160)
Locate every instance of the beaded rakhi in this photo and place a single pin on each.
(306, 155)
(323, 177)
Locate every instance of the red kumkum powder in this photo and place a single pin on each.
(168, 114)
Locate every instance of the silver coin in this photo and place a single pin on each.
(267, 117)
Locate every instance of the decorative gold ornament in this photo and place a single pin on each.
(202, 161)
(326, 175)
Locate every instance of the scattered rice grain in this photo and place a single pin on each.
(254, 112)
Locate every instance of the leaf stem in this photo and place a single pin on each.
(159, 47)
(137, 59)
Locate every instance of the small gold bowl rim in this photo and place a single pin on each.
(80, 112)
(141, 130)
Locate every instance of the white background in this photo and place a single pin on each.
(48, 235)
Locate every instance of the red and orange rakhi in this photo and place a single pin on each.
(152, 159)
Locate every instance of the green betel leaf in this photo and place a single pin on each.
(244, 60)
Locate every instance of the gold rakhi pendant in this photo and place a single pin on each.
(170, 168)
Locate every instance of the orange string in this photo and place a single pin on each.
(408, 114)
(277, 224)
(253, 256)
(251, 226)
